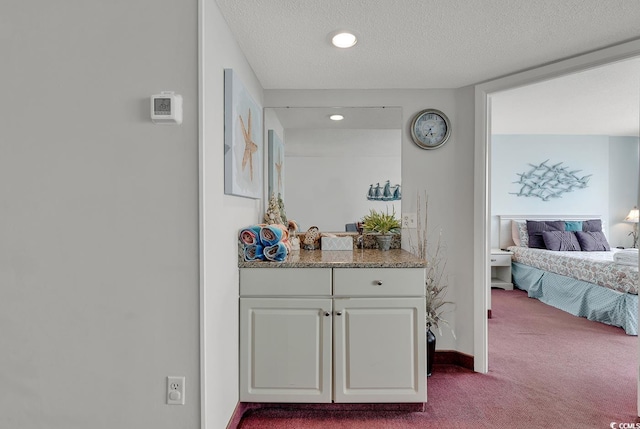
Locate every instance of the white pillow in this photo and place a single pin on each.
(519, 233)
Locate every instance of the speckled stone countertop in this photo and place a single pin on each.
(358, 258)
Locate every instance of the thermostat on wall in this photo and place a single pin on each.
(166, 108)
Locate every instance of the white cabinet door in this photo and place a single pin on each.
(285, 349)
(379, 350)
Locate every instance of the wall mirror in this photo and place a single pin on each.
(336, 171)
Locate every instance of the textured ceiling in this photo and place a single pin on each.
(419, 43)
(364, 118)
(600, 101)
(449, 44)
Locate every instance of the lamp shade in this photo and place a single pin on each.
(633, 215)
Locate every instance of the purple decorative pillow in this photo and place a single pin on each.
(592, 225)
(535, 229)
(592, 241)
(560, 240)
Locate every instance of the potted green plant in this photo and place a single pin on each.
(384, 224)
(436, 281)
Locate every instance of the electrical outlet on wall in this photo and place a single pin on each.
(409, 220)
(175, 390)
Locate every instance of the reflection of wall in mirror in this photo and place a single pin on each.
(275, 165)
(329, 173)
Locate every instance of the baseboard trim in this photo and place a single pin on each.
(241, 409)
(453, 357)
(244, 408)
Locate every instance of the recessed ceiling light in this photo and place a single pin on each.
(336, 117)
(344, 40)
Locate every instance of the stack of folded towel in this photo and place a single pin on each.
(626, 257)
(265, 242)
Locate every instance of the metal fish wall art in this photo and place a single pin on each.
(549, 181)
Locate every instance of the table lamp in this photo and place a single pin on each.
(633, 218)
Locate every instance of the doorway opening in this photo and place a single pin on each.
(482, 201)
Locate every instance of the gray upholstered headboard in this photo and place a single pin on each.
(504, 221)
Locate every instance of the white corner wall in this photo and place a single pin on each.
(99, 227)
(222, 217)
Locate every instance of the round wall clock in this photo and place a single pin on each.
(430, 129)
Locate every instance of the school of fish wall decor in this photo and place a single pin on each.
(549, 181)
(387, 192)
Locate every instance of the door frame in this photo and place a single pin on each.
(482, 168)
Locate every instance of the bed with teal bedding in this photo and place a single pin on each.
(588, 284)
(578, 297)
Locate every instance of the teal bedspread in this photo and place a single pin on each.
(579, 297)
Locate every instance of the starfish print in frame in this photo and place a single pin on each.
(249, 146)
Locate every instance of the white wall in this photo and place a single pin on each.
(99, 224)
(329, 173)
(513, 154)
(222, 217)
(623, 186)
(271, 122)
(446, 174)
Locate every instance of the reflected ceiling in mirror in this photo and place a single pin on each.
(330, 165)
(354, 117)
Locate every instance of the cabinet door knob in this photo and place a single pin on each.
(326, 313)
(338, 313)
(378, 282)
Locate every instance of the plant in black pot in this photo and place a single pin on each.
(436, 281)
(384, 224)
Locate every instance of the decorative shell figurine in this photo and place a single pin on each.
(273, 216)
(283, 214)
(311, 239)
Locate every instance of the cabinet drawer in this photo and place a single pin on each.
(500, 260)
(285, 281)
(378, 282)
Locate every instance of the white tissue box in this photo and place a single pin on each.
(336, 243)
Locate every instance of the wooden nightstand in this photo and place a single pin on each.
(501, 269)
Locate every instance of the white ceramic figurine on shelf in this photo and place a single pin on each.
(293, 235)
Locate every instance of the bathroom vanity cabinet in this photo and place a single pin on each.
(337, 328)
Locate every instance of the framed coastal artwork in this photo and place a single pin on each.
(242, 140)
(276, 165)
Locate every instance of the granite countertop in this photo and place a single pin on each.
(358, 258)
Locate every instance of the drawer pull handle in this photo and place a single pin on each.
(493, 260)
(378, 282)
(326, 313)
(338, 313)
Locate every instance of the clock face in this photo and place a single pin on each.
(430, 129)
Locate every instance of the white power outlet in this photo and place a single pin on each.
(175, 390)
(409, 220)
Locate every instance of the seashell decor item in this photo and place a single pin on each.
(274, 212)
(311, 239)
